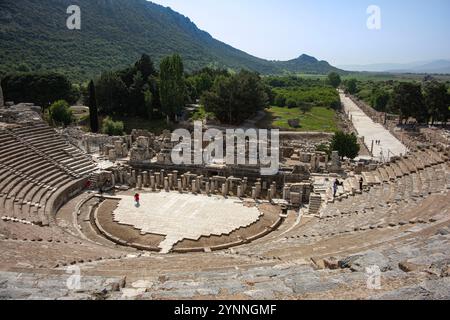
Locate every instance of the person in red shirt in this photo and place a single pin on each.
(136, 198)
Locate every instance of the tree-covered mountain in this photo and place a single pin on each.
(114, 33)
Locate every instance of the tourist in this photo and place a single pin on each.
(361, 181)
(136, 199)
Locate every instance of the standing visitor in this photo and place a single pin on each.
(335, 187)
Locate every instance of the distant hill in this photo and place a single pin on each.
(433, 67)
(114, 33)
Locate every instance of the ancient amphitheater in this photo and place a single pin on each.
(70, 229)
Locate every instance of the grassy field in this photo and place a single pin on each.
(318, 119)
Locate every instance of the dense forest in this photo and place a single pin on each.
(146, 92)
(113, 35)
(160, 93)
(427, 101)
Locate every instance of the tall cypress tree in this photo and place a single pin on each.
(93, 110)
(172, 86)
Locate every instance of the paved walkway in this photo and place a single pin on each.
(390, 146)
(184, 216)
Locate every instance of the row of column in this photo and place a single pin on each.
(199, 184)
(162, 180)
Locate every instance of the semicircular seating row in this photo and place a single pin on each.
(35, 162)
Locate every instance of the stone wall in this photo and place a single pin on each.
(63, 195)
(22, 113)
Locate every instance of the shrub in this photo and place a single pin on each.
(346, 144)
(60, 113)
(112, 128)
(291, 103)
(280, 101)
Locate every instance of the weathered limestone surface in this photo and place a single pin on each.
(170, 213)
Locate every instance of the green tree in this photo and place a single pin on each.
(40, 88)
(407, 100)
(346, 144)
(112, 128)
(291, 103)
(112, 94)
(336, 104)
(93, 110)
(136, 98)
(351, 86)
(60, 113)
(280, 100)
(172, 87)
(304, 106)
(334, 79)
(234, 99)
(145, 66)
(435, 98)
(202, 80)
(380, 100)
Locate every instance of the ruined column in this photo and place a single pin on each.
(112, 155)
(258, 189)
(124, 150)
(286, 193)
(224, 189)
(170, 178)
(183, 182)
(166, 184)
(157, 179)
(175, 176)
(207, 191)
(118, 148)
(139, 182)
(145, 178)
(199, 183)
(152, 183)
(194, 187)
(273, 190)
(113, 180)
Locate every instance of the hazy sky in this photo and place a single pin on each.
(332, 30)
